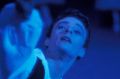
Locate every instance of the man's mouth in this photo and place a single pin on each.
(67, 39)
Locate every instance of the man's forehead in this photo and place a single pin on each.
(70, 20)
(73, 21)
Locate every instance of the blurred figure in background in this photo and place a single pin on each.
(21, 25)
(114, 6)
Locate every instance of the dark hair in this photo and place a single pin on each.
(74, 13)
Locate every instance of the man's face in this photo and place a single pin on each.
(68, 34)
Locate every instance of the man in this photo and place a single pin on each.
(67, 39)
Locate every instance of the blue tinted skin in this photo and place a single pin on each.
(65, 44)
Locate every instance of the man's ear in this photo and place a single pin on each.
(82, 52)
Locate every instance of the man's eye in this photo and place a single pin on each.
(60, 27)
(77, 32)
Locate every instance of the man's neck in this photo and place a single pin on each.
(59, 63)
(56, 54)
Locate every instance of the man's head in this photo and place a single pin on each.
(69, 33)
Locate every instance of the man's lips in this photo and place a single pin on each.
(66, 38)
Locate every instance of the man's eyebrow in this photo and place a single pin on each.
(80, 26)
(63, 22)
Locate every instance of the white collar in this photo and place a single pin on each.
(24, 71)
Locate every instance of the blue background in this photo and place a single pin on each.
(102, 60)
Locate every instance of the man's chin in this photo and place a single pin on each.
(65, 47)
